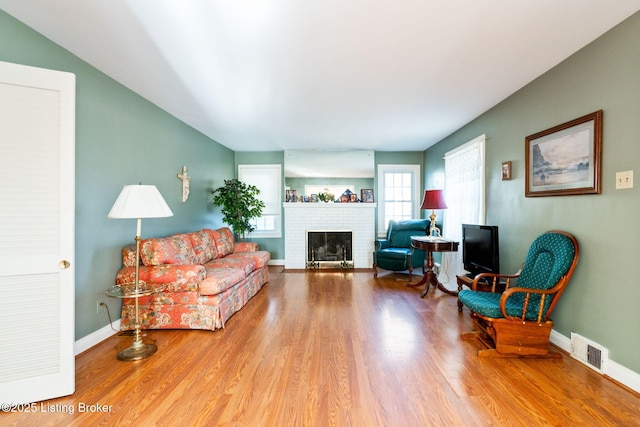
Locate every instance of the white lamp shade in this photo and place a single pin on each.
(140, 201)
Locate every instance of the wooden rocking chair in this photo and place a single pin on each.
(516, 322)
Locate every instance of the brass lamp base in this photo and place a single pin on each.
(433, 230)
(137, 351)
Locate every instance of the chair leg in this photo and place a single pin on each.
(375, 271)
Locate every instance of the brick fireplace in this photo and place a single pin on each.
(358, 218)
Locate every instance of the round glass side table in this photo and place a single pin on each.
(138, 349)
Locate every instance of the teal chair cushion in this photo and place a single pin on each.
(394, 253)
(549, 258)
(488, 303)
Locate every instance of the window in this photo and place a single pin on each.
(399, 194)
(464, 172)
(268, 179)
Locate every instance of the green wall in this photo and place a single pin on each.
(274, 245)
(601, 302)
(120, 139)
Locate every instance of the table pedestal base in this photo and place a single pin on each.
(430, 278)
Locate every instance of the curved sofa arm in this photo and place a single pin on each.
(245, 247)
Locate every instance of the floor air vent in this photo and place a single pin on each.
(588, 352)
(594, 357)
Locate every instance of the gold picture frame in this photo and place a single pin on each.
(565, 159)
(506, 171)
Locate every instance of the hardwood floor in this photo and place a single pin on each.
(332, 349)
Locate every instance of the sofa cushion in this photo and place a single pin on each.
(176, 249)
(218, 279)
(224, 241)
(247, 265)
(261, 257)
(204, 246)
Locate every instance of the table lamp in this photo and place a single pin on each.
(138, 201)
(433, 199)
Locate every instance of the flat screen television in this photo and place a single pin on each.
(480, 249)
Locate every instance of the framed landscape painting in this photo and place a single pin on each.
(566, 159)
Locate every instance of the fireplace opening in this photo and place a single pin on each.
(329, 249)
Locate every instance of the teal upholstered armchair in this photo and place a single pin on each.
(516, 322)
(395, 252)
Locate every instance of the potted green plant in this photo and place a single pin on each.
(240, 205)
(326, 196)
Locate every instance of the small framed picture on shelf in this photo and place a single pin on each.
(313, 198)
(366, 195)
(292, 196)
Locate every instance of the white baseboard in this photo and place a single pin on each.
(560, 341)
(623, 375)
(276, 262)
(613, 370)
(85, 343)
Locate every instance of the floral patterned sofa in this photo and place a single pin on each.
(207, 277)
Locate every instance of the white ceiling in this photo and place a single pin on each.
(259, 75)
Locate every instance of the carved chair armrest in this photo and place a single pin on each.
(494, 279)
(543, 292)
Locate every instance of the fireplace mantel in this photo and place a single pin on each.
(356, 217)
(321, 205)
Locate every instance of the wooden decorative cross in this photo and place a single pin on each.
(185, 183)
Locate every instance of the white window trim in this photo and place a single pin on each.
(276, 170)
(414, 169)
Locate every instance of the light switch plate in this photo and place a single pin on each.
(624, 180)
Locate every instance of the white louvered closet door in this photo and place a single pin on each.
(37, 168)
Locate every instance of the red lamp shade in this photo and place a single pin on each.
(433, 199)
